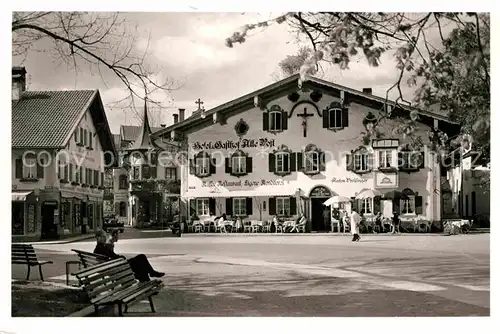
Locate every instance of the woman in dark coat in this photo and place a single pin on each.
(139, 264)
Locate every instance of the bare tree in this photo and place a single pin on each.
(103, 41)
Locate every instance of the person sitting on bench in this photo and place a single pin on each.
(139, 264)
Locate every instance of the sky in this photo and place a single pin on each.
(190, 49)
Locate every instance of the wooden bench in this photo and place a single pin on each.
(86, 259)
(25, 254)
(113, 283)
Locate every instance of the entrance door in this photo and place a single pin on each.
(49, 229)
(17, 218)
(317, 209)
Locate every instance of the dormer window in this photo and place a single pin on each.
(360, 161)
(202, 165)
(314, 160)
(275, 120)
(238, 164)
(335, 117)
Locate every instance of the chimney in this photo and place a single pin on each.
(181, 114)
(163, 125)
(176, 118)
(367, 91)
(18, 82)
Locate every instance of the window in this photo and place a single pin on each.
(361, 162)
(385, 158)
(282, 162)
(123, 209)
(29, 168)
(410, 159)
(311, 162)
(239, 206)
(136, 172)
(275, 121)
(146, 172)
(202, 207)
(202, 166)
(239, 164)
(283, 206)
(122, 182)
(171, 173)
(408, 205)
(335, 118)
(366, 205)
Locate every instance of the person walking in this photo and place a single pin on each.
(355, 221)
(326, 217)
(379, 228)
(395, 223)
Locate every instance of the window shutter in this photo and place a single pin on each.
(272, 162)
(422, 160)
(293, 206)
(81, 136)
(349, 162)
(229, 206)
(272, 206)
(249, 165)
(322, 164)
(325, 119)
(293, 162)
(286, 163)
(300, 161)
(192, 207)
(211, 205)
(345, 117)
(76, 135)
(40, 169)
(265, 121)
(71, 176)
(228, 165)
(376, 204)
(19, 168)
(192, 168)
(400, 159)
(212, 166)
(249, 206)
(102, 179)
(418, 205)
(284, 120)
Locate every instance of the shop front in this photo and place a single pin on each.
(24, 215)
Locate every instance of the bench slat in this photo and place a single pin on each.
(95, 280)
(112, 282)
(125, 292)
(149, 290)
(113, 288)
(99, 268)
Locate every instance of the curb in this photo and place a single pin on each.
(57, 242)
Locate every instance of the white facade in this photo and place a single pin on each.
(264, 187)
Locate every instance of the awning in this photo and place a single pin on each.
(20, 196)
(67, 194)
(268, 192)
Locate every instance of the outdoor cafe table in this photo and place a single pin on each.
(290, 223)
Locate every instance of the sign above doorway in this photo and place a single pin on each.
(320, 191)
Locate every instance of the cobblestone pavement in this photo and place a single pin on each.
(308, 275)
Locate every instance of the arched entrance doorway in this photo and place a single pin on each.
(318, 196)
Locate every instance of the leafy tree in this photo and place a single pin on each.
(450, 70)
(292, 64)
(102, 41)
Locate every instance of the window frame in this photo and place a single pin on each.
(334, 111)
(29, 168)
(408, 207)
(362, 156)
(203, 207)
(277, 115)
(200, 168)
(240, 211)
(285, 155)
(122, 182)
(239, 159)
(311, 163)
(281, 211)
(364, 203)
(383, 155)
(169, 171)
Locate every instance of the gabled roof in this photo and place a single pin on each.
(130, 132)
(47, 119)
(288, 85)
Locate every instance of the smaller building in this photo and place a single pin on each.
(61, 143)
(146, 185)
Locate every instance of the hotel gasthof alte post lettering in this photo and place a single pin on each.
(285, 149)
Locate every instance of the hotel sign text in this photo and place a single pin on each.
(231, 144)
(246, 183)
